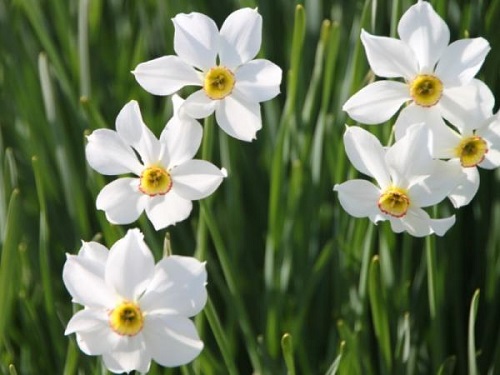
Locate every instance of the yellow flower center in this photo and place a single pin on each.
(126, 319)
(394, 201)
(471, 151)
(155, 180)
(219, 82)
(426, 90)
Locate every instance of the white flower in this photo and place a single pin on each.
(472, 145)
(135, 311)
(221, 63)
(437, 76)
(407, 177)
(168, 179)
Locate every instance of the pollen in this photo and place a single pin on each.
(126, 319)
(471, 151)
(394, 201)
(155, 181)
(426, 90)
(219, 82)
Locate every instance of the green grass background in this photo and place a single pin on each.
(296, 285)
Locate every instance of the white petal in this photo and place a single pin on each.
(426, 33)
(389, 57)
(414, 114)
(182, 138)
(377, 102)
(130, 265)
(196, 179)
(88, 320)
(240, 37)
(99, 341)
(199, 105)
(168, 209)
(467, 189)
(358, 197)
(434, 188)
(178, 287)
(133, 356)
(418, 223)
(258, 80)
(441, 226)
(131, 128)
(171, 340)
(108, 154)
(410, 157)
(366, 154)
(468, 106)
(94, 251)
(444, 141)
(461, 61)
(83, 280)
(491, 134)
(239, 118)
(166, 75)
(196, 39)
(121, 200)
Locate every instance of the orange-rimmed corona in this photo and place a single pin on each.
(155, 180)
(471, 151)
(426, 90)
(218, 83)
(394, 201)
(126, 319)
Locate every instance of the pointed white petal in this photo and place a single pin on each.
(94, 251)
(490, 132)
(434, 188)
(240, 37)
(466, 189)
(130, 265)
(366, 154)
(461, 61)
(83, 280)
(258, 80)
(182, 138)
(199, 105)
(196, 39)
(426, 33)
(441, 226)
(418, 223)
(358, 198)
(133, 355)
(121, 200)
(88, 320)
(414, 114)
(397, 226)
(239, 118)
(108, 154)
(389, 57)
(444, 141)
(166, 75)
(177, 333)
(168, 209)
(377, 102)
(99, 341)
(410, 157)
(178, 287)
(196, 179)
(131, 128)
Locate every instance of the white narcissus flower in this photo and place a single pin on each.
(168, 177)
(472, 145)
(407, 177)
(134, 311)
(233, 84)
(437, 76)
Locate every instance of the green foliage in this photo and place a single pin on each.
(284, 260)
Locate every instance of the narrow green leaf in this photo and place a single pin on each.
(471, 352)
(448, 366)
(287, 348)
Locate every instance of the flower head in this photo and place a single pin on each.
(407, 179)
(167, 177)
(135, 311)
(221, 62)
(437, 75)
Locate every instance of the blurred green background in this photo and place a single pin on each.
(296, 286)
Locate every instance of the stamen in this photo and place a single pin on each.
(219, 82)
(126, 319)
(155, 180)
(471, 151)
(394, 201)
(426, 90)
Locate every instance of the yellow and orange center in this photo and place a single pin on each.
(126, 319)
(471, 151)
(219, 82)
(155, 180)
(394, 201)
(426, 90)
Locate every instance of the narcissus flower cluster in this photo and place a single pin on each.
(446, 124)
